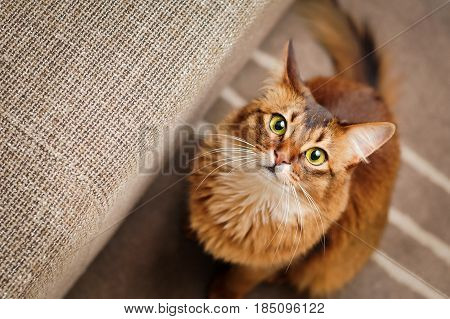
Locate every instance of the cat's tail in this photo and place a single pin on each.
(352, 48)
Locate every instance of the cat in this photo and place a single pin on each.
(298, 182)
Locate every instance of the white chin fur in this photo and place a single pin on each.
(283, 171)
(265, 191)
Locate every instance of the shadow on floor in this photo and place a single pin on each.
(150, 256)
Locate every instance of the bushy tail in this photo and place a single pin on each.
(352, 48)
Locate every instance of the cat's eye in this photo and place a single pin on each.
(278, 124)
(316, 156)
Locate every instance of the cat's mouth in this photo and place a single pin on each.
(280, 172)
(271, 169)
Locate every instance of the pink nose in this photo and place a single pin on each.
(281, 157)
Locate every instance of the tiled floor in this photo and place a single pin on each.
(150, 258)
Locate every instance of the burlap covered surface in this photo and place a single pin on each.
(80, 81)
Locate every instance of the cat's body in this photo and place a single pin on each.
(259, 200)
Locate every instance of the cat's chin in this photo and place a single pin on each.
(269, 172)
(272, 176)
(271, 169)
(278, 172)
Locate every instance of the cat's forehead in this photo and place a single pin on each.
(309, 114)
(316, 116)
(297, 108)
(310, 122)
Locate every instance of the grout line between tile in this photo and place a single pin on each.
(408, 226)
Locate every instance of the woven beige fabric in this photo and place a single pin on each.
(79, 82)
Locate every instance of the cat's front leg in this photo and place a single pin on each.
(349, 246)
(238, 281)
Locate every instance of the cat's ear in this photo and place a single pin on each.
(291, 76)
(364, 139)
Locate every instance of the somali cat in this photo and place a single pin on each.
(298, 182)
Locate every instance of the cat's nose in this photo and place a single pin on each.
(281, 157)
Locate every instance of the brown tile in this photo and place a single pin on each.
(373, 283)
(250, 81)
(218, 111)
(416, 258)
(423, 201)
(311, 57)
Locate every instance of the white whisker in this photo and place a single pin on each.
(248, 162)
(296, 229)
(227, 163)
(285, 217)
(314, 206)
(224, 150)
(232, 137)
(218, 161)
(279, 226)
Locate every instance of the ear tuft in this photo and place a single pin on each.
(291, 75)
(364, 139)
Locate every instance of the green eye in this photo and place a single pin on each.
(278, 124)
(316, 156)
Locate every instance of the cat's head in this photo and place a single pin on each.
(298, 141)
